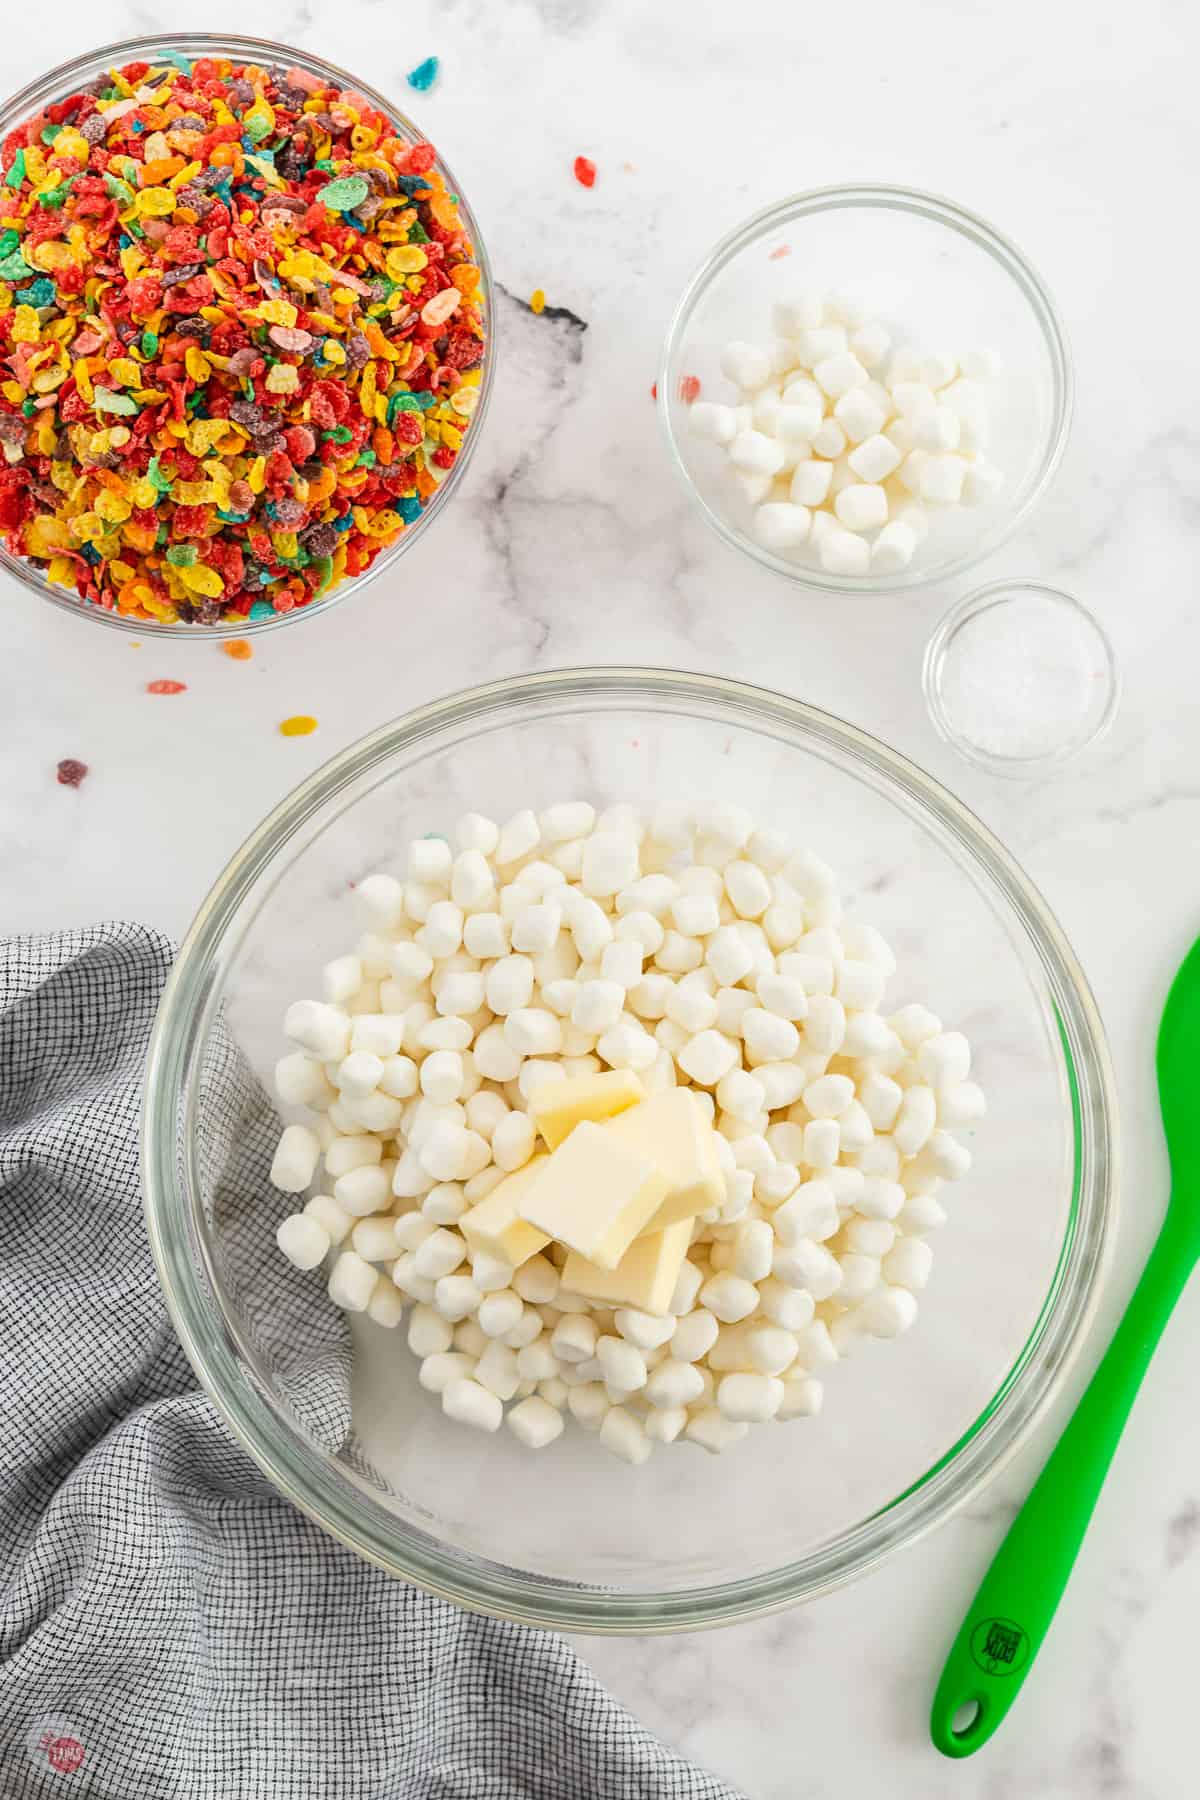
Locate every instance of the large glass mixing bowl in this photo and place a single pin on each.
(572, 1538)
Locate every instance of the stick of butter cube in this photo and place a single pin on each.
(593, 1195)
(672, 1129)
(645, 1277)
(495, 1224)
(558, 1106)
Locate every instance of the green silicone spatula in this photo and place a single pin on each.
(1011, 1614)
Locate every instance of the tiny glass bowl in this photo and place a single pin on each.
(75, 76)
(1020, 677)
(935, 277)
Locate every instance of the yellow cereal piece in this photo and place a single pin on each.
(13, 391)
(154, 203)
(189, 169)
(202, 580)
(204, 434)
(132, 258)
(62, 474)
(86, 526)
(51, 255)
(344, 296)
(299, 725)
(126, 371)
(197, 364)
(25, 326)
(143, 493)
(123, 571)
(194, 493)
(537, 300)
(366, 391)
(45, 534)
(334, 352)
(282, 379)
(452, 436)
(83, 381)
(46, 380)
(405, 259)
(113, 507)
(47, 433)
(70, 143)
(257, 475)
(61, 572)
(278, 312)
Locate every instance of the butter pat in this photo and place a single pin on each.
(673, 1131)
(558, 1106)
(645, 1277)
(495, 1223)
(593, 1195)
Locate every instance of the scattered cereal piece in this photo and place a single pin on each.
(299, 725)
(241, 333)
(166, 687)
(778, 254)
(654, 390)
(424, 75)
(240, 649)
(537, 300)
(71, 771)
(585, 171)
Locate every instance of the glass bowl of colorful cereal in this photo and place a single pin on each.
(245, 347)
(865, 388)
(365, 1260)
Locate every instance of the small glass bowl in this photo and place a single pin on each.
(934, 276)
(574, 1539)
(71, 77)
(1020, 677)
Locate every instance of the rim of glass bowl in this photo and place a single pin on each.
(305, 1477)
(933, 668)
(955, 218)
(64, 80)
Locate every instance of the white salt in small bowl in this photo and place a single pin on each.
(1020, 677)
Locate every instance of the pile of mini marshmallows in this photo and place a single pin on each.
(839, 459)
(699, 951)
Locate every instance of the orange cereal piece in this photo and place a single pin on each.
(240, 649)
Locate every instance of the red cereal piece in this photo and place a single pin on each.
(689, 389)
(780, 253)
(70, 771)
(585, 171)
(166, 687)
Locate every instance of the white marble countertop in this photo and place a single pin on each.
(571, 543)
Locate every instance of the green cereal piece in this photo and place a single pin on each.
(324, 569)
(158, 475)
(50, 132)
(149, 343)
(8, 241)
(16, 174)
(340, 196)
(365, 460)
(108, 401)
(182, 555)
(118, 190)
(53, 197)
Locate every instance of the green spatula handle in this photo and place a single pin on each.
(1019, 1595)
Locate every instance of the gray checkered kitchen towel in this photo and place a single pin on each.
(168, 1626)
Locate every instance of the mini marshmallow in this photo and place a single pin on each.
(749, 1398)
(870, 343)
(844, 553)
(707, 1057)
(512, 1141)
(861, 506)
(535, 1423)
(780, 525)
(797, 313)
(835, 375)
(893, 549)
(715, 422)
(873, 459)
(324, 1031)
(535, 928)
(352, 1282)
(713, 1431)
(754, 453)
(860, 415)
(982, 481)
(624, 1435)
(941, 479)
(469, 1403)
(936, 428)
(303, 1240)
(295, 1159)
(746, 365)
(456, 1296)
(820, 341)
